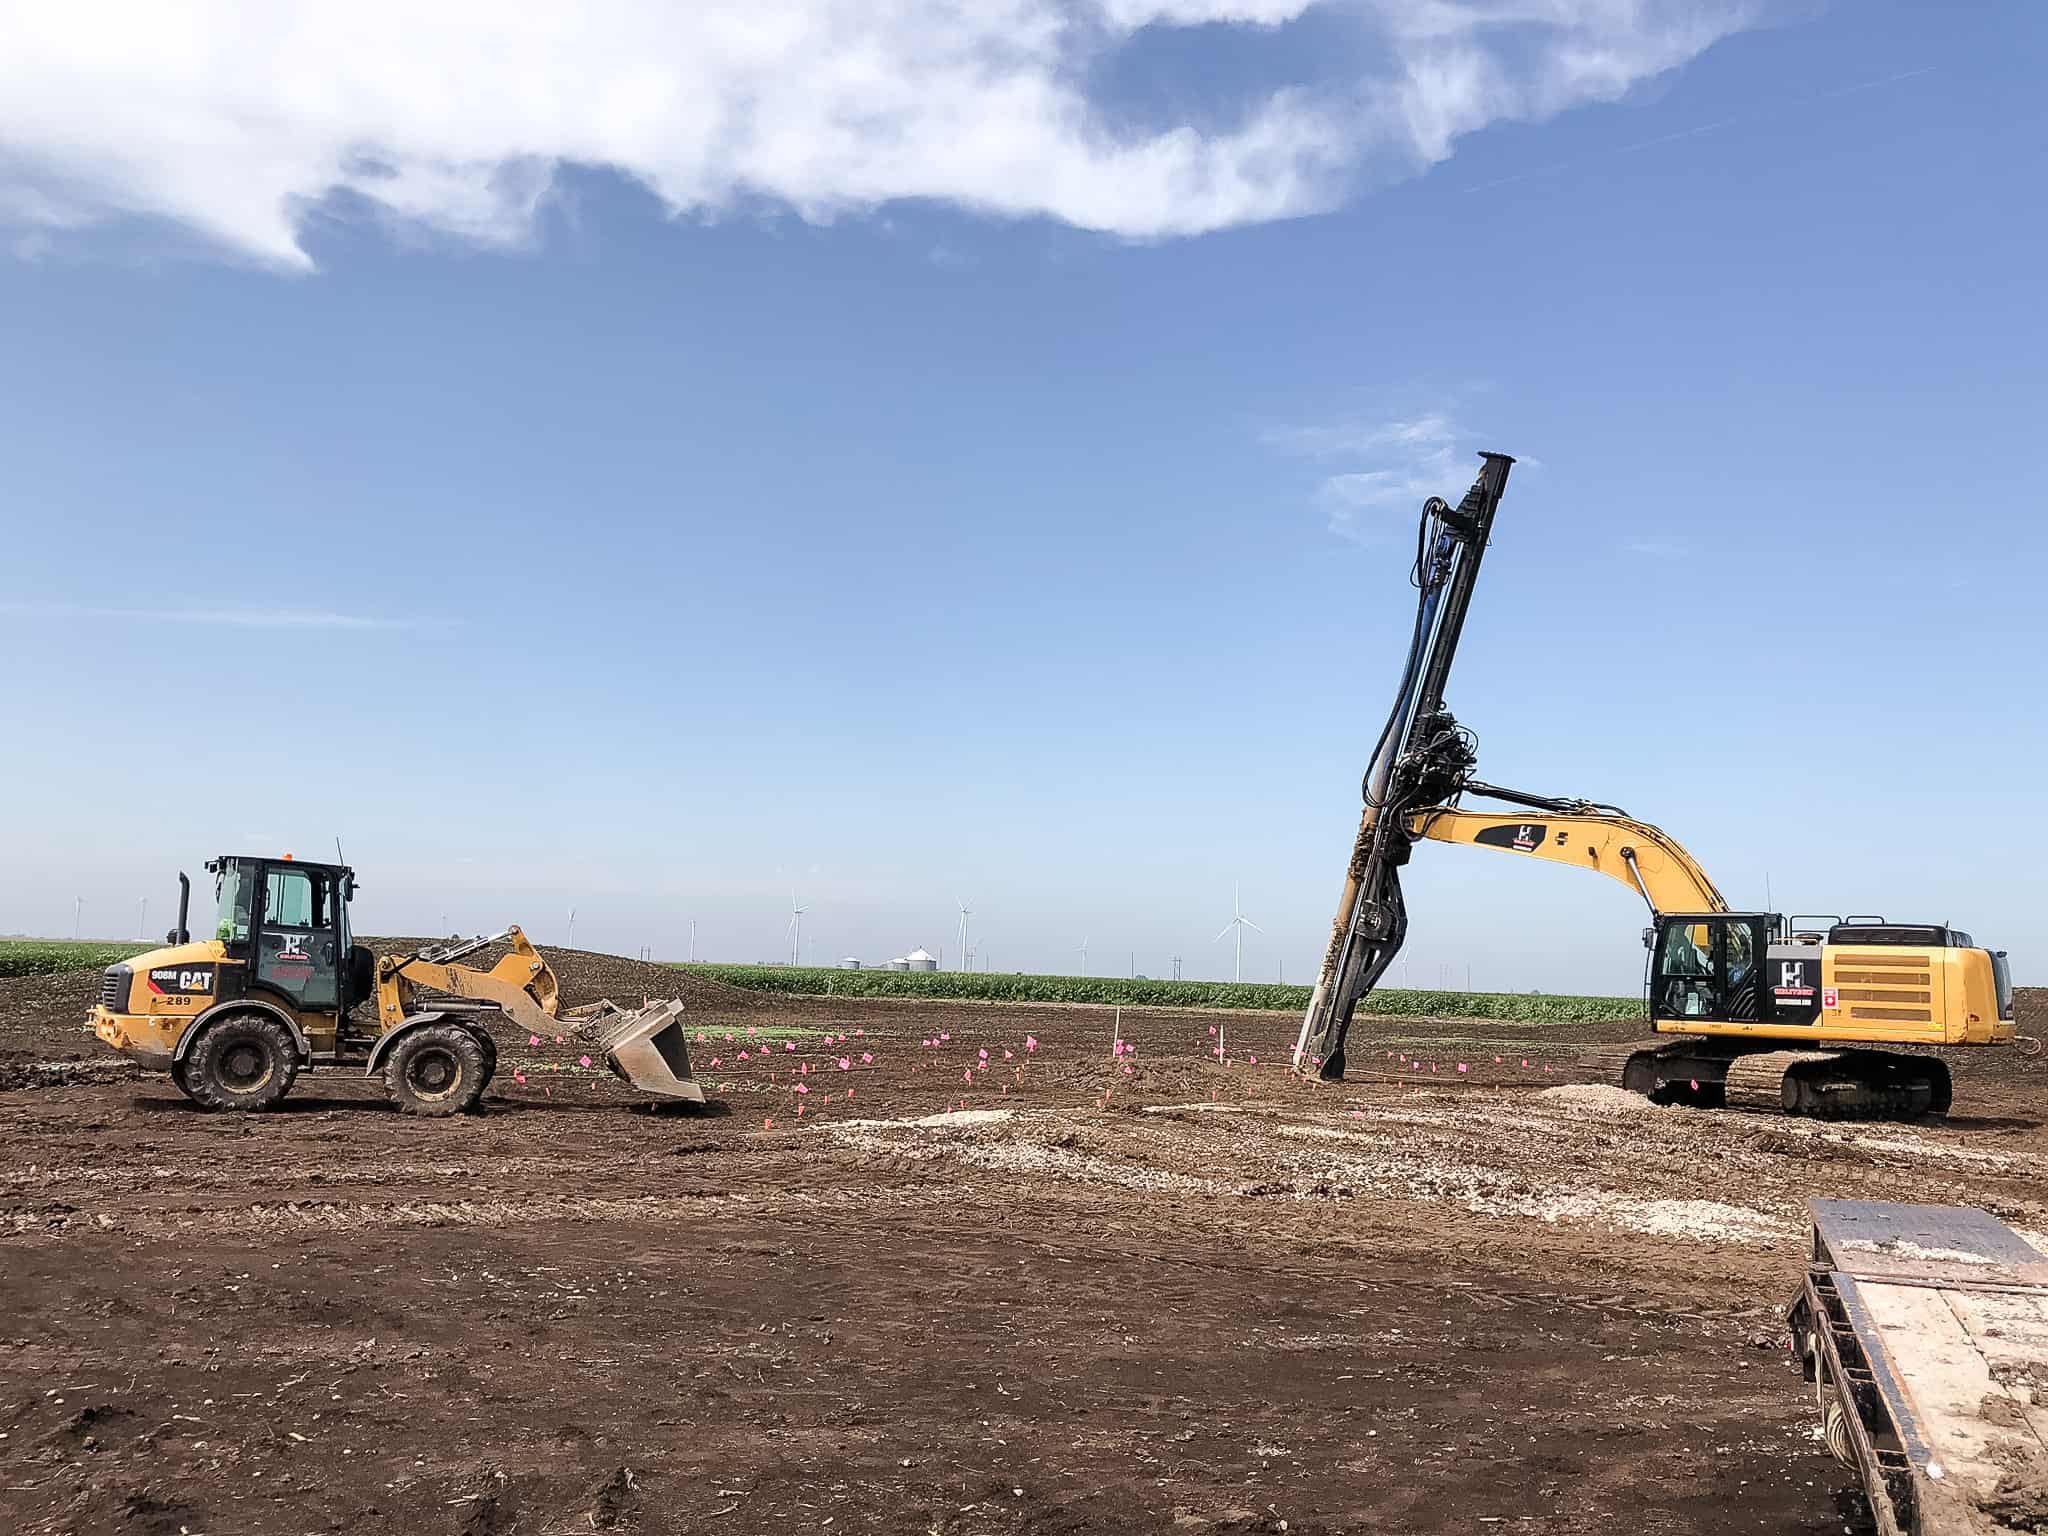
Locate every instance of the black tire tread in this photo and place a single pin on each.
(196, 1075)
(467, 1049)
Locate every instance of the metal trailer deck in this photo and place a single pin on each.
(1924, 1329)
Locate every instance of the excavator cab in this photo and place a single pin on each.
(1705, 965)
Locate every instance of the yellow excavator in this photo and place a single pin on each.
(1749, 1009)
(236, 1017)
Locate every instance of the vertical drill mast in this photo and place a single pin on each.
(1423, 758)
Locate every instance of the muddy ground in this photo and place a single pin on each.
(1073, 1292)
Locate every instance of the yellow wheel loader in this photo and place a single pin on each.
(236, 1017)
(1749, 1008)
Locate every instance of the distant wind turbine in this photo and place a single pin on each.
(965, 913)
(1238, 923)
(1084, 957)
(796, 929)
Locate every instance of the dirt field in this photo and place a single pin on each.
(1072, 1292)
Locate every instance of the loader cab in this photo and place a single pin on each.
(286, 921)
(1708, 967)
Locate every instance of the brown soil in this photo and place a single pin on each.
(1191, 1296)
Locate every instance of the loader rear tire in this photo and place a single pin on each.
(438, 1070)
(245, 1062)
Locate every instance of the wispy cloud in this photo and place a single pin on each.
(243, 124)
(1402, 463)
(238, 618)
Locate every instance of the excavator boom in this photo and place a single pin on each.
(1599, 838)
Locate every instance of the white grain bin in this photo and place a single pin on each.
(899, 964)
(919, 960)
(850, 963)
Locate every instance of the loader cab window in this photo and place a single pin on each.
(237, 891)
(297, 950)
(288, 900)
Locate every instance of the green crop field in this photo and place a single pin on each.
(44, 957)
(999, 987)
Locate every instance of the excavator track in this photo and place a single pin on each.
(1825, 1084)
(1775, 1080)
(1839, 1085)
(1610, 1064)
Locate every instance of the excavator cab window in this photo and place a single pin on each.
(1707, 967)
(1685, 972)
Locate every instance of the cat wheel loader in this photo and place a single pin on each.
(1749, 1009)
(236, 1018)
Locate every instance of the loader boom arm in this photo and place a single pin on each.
(522, 983)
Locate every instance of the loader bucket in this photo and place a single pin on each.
(648, 1049)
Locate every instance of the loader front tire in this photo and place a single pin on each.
(245, 1061)
(438, 1070)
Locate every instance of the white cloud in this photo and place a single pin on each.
(239, 618)
(238, 121)
(1406, 462)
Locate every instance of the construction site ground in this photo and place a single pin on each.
(1077, 1290)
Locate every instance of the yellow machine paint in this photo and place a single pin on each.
(1869, 994)
(1764, 1014)
(235, 1018)
(162, 992)
(1748, 1008)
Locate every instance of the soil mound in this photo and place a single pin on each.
(1602, 1097)
(42, 1018)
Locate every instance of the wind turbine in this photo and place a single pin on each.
(1084, 957)
(1239, 922)
(796, 929)
(965, 913)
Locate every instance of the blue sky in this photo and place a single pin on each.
(969, 504)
